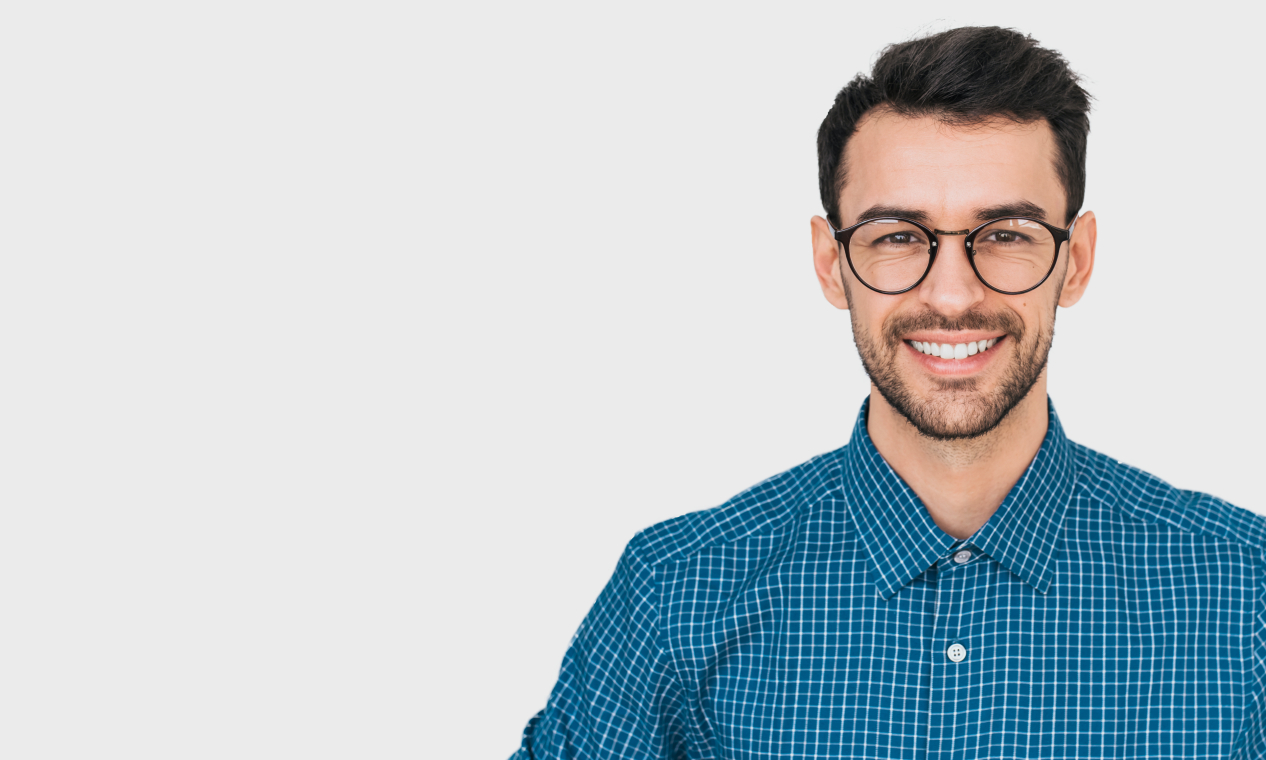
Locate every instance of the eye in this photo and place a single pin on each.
(1006, 237)
(890, 237)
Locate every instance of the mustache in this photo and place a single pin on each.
(1006, 321)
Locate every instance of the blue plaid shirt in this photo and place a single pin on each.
(1100, 613)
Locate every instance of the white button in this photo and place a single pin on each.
(956, 652)
(962, 557)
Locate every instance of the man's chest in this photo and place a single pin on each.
(969, 661)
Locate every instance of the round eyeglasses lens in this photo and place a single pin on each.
(889, 254)
(1013, 254)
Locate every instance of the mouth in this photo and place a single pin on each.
(954, 351)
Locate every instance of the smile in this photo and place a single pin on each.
(953, 350)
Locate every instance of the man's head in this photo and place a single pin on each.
(955, 130)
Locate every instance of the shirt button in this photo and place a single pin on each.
(962, 556)
(956, 652)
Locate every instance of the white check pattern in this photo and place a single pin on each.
(1103, 614)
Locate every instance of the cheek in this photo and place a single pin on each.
(875, 315)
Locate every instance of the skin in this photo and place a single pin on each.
(960, 470)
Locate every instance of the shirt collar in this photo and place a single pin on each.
(903, 541)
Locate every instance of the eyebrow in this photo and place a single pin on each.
(887, 212)
(1015, 208)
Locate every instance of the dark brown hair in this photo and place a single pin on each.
(963, 77)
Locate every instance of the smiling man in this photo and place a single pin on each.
(960, 580)
(957, 350)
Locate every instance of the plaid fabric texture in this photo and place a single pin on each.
(1100, 613)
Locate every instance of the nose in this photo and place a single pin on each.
(951, 287)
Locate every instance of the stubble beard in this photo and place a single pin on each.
(958, 408)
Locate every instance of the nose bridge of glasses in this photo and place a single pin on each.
(950, 277)
(938, 233)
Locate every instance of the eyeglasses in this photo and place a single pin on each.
(1012, 255)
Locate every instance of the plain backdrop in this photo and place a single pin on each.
(343, 346)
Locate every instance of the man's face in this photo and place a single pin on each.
(949, 178)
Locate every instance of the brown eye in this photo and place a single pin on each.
(898, 239)
(1005, 237)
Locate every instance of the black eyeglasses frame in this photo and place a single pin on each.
(1060, 234)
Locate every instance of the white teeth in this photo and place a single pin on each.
(956, 351)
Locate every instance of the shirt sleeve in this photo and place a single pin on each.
(617, 695)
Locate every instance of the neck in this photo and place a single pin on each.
(961, 483)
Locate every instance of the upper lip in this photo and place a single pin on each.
(953, 338)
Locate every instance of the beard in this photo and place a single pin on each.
(959, 407)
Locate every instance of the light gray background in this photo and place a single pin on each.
(346, 344)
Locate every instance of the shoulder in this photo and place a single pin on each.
(763, 509)
(1142, 497)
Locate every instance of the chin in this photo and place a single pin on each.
(956, 414)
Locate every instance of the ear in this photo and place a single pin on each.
(1081, 260)
(826, 261)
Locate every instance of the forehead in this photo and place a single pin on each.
(949, 171)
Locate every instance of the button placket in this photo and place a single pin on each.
(951, 655)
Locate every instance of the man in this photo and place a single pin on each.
(960, 580)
